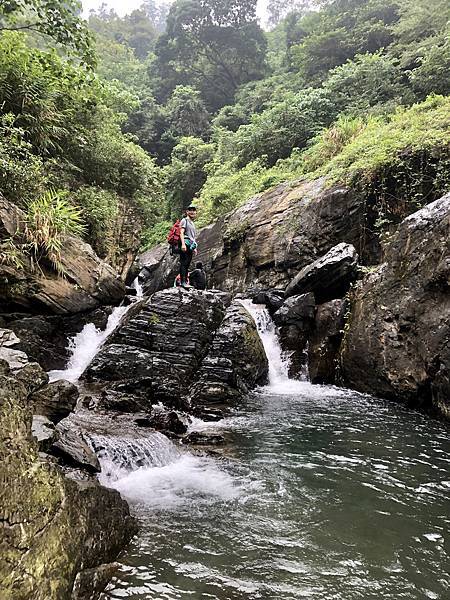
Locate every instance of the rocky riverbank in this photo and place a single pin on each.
(349, 311)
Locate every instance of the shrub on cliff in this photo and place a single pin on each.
(405, 155)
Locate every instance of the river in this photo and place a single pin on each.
(319, 492)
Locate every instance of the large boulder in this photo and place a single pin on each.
(329, 277)
(267, 240)
(155, 354)
(56, 400)
(397, 343)
(88, 281)
(296, 310)
(236, 363)
(52, 528)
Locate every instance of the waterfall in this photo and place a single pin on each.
(279, 381)
(152, 471)
(85, 345)
(120, 456)
(138, 287)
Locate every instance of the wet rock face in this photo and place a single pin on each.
(52, 527)
(329, 277)
(325, 341)
(55, 400)
(157, 352)
(88, 283)
(295, 320)
(397, 344)
(235, 363)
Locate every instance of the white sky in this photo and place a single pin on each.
(123, 7)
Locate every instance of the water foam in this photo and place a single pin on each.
(188, 480)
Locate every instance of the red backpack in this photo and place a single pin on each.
(174, 237)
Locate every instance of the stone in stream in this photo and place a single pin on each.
(295, 319)
(54, 527)
(163, 420)
(329, 277)
(156, 353)
(273, 299)
(397, 343)
(236, 362)
(72, 448)
(56, 400)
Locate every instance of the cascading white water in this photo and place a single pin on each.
(85, 345)
(279, 381)
(138, 287)
(154, 472)
(119, 457)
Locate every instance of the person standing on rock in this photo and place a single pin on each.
(197, 277)
(188, 243)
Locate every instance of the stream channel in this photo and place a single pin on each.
(319, 492)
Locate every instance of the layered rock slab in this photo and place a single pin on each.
(328, 277)
(236, 363)
(156, 353)
(398, 339)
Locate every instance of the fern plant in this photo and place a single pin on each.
(50, 218)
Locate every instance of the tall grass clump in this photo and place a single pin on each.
(49, 218)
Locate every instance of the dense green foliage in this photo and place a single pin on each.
(194, 97)
(61, 129)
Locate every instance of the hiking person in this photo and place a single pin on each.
(197, 277)
(188, 244)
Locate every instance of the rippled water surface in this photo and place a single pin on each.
(320, 493)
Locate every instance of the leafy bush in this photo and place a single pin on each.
(157, 234)
(287, 125)
(22, 174)
(432, 74)
(227, 188)
(331, 141)
(186, 173)
(400, 162)
(100, 209)
(366, 81)
(424, 126)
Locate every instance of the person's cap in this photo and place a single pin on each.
(191, 207)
